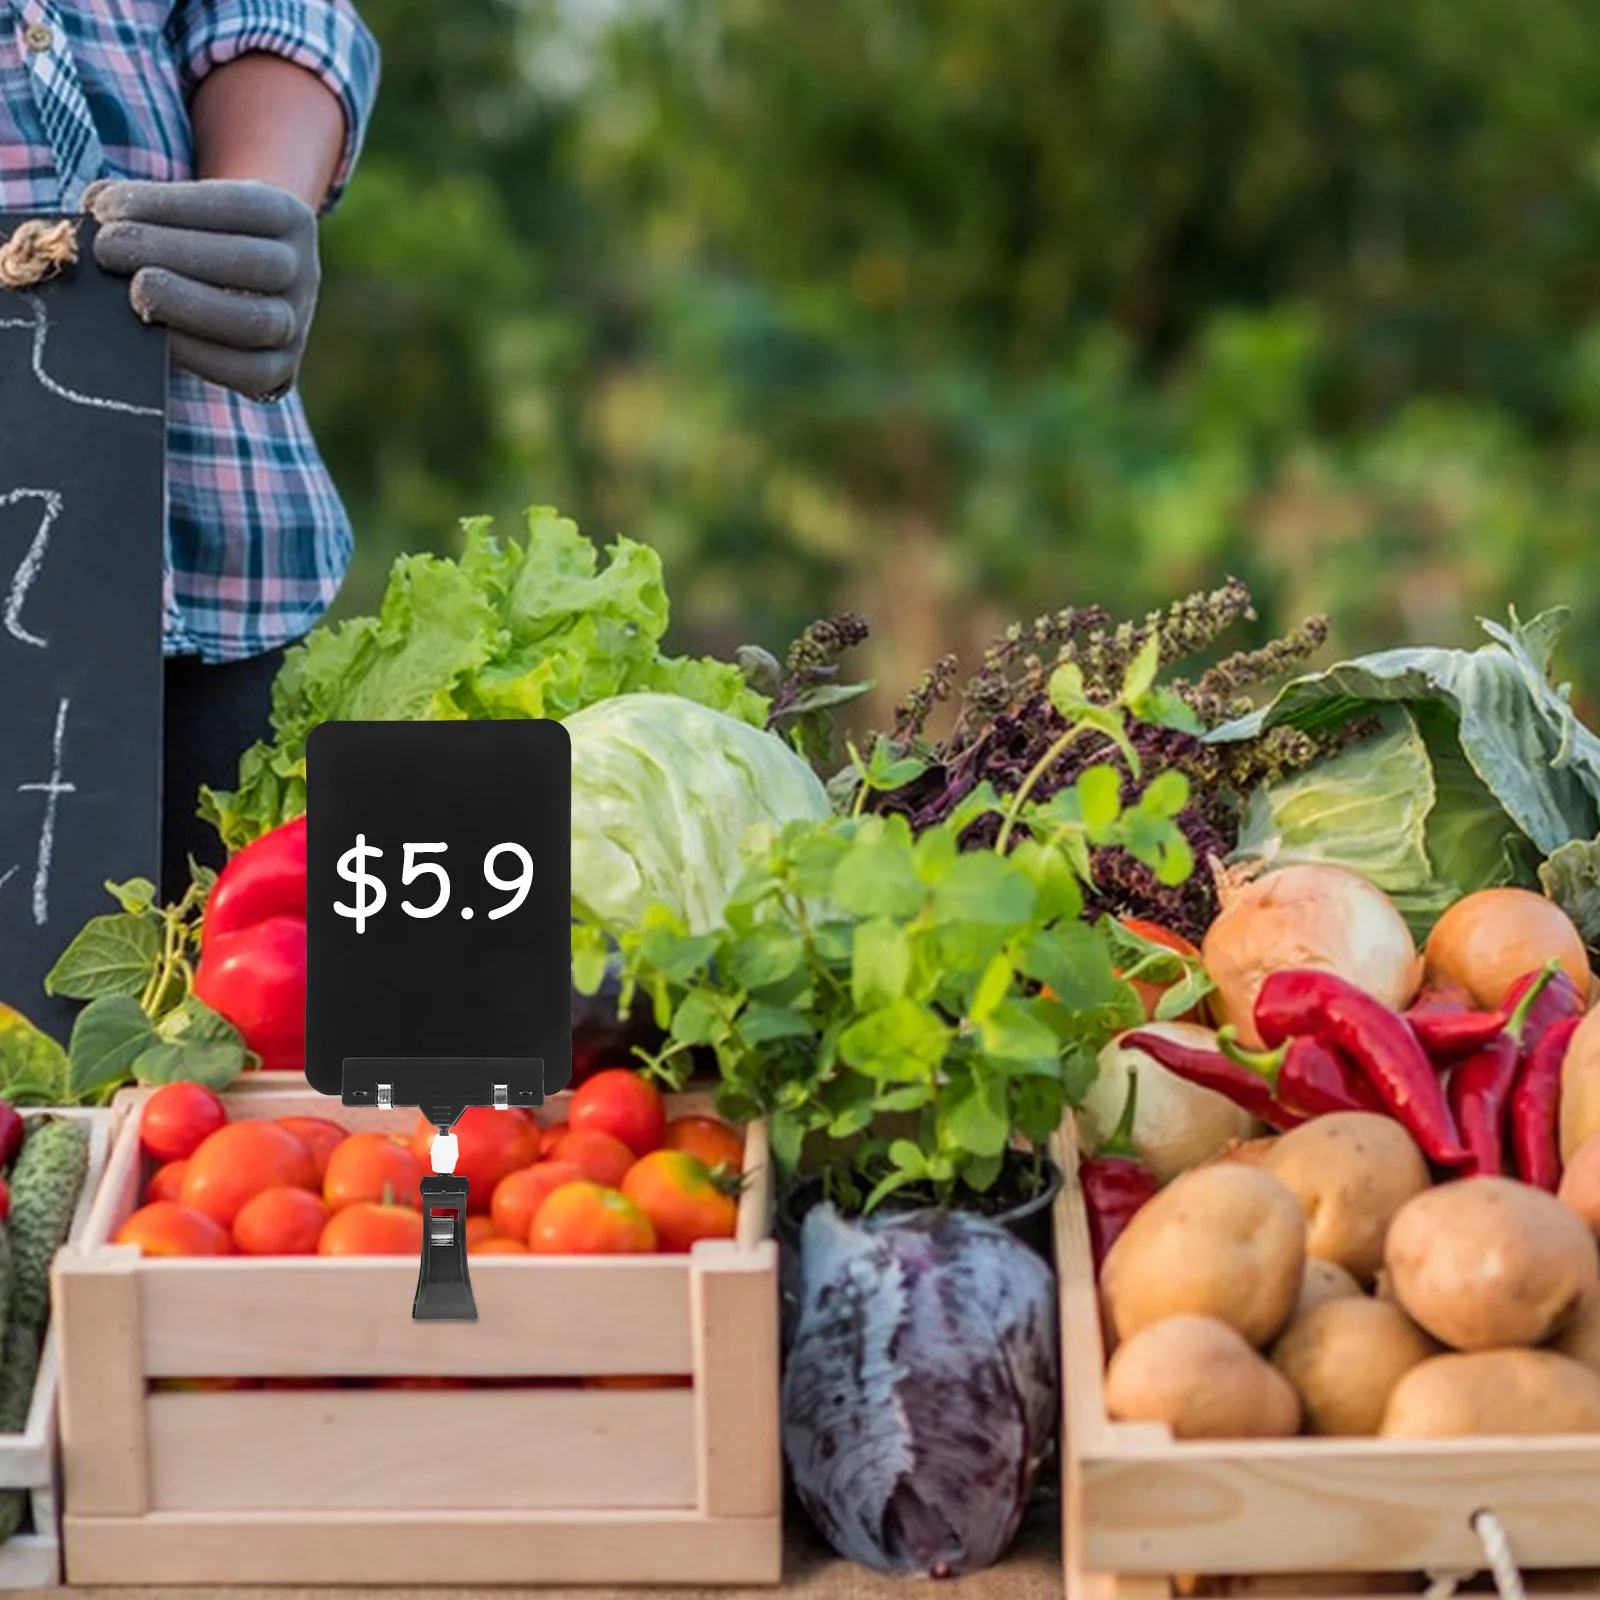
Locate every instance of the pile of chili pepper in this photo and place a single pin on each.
(1478, 1090)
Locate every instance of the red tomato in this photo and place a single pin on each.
(166, 1183)
(714, 1142)
(682, 1200)
(1150, 993)
(587, 1219)
(518, 1195)
(550, 1137)
(372, 1166)
(497, 1247)
(603, 1158)
(280, 1222)
(319, 1135)
(625, 1105)
(489, 1144)
(178, 1118)
(166, 1229)
(365, 1229)
(239, 1161)
(478, 1229)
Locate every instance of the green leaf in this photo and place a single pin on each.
(985, 889)
(823, 697)
(33, 1066)
(1165, 795)
(589, 959)
(111, 955)
(1166, 708)
(1016, 1036)
(675, 955)
(912, 1097)
(908, 1158)
(1073, 961)
(936, 852)
(698, 1020)
(136, 896)
(1571, 877)
(760, 1024)
(1099, 800)
(1052, 871)
(984, 801)
(765, 957)
(193, 1060)
(111, 1033)
(887, 1187)
(973, 1113)
(991, 988)
(876, 876)
(880, 964)
(1066, 691)
(1141, 674)
(899, 1041)
(1037, 1106)
(1184, 995)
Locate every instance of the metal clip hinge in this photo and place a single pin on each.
(385, 1096)
(502, 1096)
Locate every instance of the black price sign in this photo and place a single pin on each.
(439, 949)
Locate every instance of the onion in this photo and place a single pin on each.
(1580, 1087)
(1176, 1124)
(1490, 939)
(1305, 916)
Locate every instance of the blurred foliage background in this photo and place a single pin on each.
(956, 310)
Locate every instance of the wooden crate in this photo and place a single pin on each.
(32, 1560)
(1147, 1516)
(531, 1483)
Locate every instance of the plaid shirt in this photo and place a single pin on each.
(257, 541)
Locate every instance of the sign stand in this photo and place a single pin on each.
(465, 1009)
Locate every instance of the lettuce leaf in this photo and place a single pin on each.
(1479, 769)
(1571, 877)
(530, 628)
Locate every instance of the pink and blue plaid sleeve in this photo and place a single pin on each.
(326, 37)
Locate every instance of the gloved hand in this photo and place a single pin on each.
(229, 267)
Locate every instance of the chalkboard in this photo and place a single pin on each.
(83, 394)
(469, 824)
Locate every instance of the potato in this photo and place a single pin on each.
(1223, 1241)
(1580, 1183)
(1344, 1358)
(1199, 1377)
(1580, 1339)
(1176, 1124)
(1243, 1152)
(1580, 1087)
(1488, 1262)
(1494, 1392)
(1321, 1282)
(1351, 1172)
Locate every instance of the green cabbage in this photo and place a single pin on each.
(1478, 770)
(664, 794)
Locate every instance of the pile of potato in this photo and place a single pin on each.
(1321, 1283)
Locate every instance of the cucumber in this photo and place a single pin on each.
(45, 1184)
(19, 1370)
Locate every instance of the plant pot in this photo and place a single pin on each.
(1028, 1221)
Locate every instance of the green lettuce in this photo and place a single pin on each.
(530, 628)
(1477, 771)
(665, 793)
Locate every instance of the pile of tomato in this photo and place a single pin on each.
(618, 1177)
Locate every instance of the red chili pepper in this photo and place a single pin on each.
(265, 879)
(1448, 1024)
(1558, 998)
(1536, 1106)
(1316, 1080)
(1115, 1182)
(252, 966)
(1377, 1041)
(1480, 1086)
(256, 978)
(1247, 1088)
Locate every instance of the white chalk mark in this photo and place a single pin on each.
(7, 876)
(32, 561)
(52, 791)
(39, 322)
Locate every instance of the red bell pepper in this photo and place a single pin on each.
(252, 966)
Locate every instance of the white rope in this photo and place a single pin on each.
(1497, 1548)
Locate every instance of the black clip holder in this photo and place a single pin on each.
(468, 1005)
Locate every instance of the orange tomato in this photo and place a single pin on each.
(714, 1142)
(477, 1230)
(550, 1137)
(177, 1118)
(319, 1135)
(603, 1158)
(588, 1219)
(280, 1222)
(1150, 993)
(681, 1198)
(622, 1103)
(370, 1228)
(166, 1183)
(489, 1144)
(498, 1247)
(518, 1195)
(372, 1166)
(239, 1161)
(165, 1228)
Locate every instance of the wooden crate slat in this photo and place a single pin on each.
(487, 1450)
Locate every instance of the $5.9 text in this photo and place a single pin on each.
(370, 893)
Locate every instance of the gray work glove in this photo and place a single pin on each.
(229, 267)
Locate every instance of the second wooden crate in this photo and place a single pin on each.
(535, 1481)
